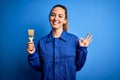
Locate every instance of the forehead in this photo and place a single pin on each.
(58, 10)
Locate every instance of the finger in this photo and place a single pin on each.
(90, 38)
(87, 36)
(30, 49)
(81, 40)
(90, 41)
(30, 42)
(30, 45)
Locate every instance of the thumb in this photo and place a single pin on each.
(81, 40)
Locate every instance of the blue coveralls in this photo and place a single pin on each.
(58, 58)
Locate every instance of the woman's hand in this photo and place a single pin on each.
(85, 42)
(30, 48)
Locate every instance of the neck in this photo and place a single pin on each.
(57, 32)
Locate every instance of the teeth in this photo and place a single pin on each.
(55, 23)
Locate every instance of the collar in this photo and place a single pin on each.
(64, 36)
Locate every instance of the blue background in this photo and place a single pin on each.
(99, 17)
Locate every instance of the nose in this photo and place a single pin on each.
(56, 17)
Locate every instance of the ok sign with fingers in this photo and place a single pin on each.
(85, 42)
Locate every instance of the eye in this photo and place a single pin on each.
(52, 14)
(61, 16)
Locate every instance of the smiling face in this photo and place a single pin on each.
(57, 18)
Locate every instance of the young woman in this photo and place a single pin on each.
(59, 54)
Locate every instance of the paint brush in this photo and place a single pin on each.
(31, 34)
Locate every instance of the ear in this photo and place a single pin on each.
(65, 21)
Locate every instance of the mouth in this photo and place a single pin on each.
(55, 22)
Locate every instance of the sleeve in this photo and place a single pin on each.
(81, 54)
(34, 59)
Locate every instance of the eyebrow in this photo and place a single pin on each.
(58, 14)
(61, 14)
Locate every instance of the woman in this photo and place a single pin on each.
(59, 54)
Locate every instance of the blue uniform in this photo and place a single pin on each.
(58, 58)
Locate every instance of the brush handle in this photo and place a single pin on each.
(31, 39)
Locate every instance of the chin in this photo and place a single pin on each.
(55, 27)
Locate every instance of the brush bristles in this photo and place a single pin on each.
(31, 32)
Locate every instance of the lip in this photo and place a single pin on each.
(55, 22)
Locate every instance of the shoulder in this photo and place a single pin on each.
(73, 39)
(44, 38)
(72, 35)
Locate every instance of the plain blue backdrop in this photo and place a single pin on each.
(99, 17)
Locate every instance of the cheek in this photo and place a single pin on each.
(51, 18)
(62, 20)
